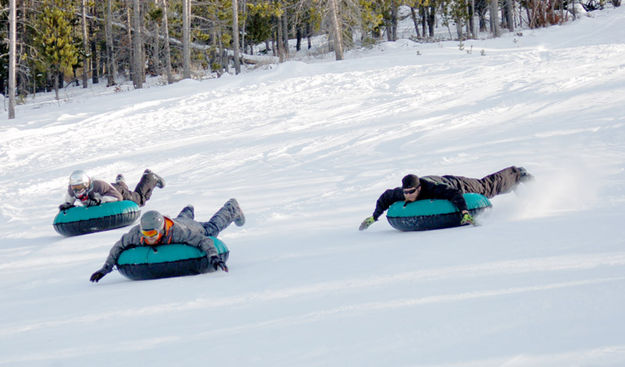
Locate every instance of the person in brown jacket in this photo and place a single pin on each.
(90, 192)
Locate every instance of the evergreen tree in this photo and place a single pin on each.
(55, 40)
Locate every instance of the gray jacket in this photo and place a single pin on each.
(179, 230)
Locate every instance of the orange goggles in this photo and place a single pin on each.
(150, 233)
(78, 188)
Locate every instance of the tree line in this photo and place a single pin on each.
(52, 42)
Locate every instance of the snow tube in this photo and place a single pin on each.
(164, 261)
(423, 215)
(81, 219)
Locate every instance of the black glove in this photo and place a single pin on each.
(90, 202)
(65, 206)
(94, 199)
(218, 263)
(95, 277)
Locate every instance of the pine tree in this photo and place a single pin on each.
(55, 40)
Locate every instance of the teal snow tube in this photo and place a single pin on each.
(164, 261)
(81, 219)
(423, 215)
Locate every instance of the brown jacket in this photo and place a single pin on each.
(98, 188)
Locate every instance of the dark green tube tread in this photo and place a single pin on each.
(164, 261)
(423, 215)
(82, 220)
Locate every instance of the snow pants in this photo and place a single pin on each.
(142, 192)
(218, 222)
(494, 184)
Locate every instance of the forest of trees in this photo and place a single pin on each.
(49, 43)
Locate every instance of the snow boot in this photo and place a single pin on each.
(160, 182)
(524, 175)
(239, 217)
(187, 212)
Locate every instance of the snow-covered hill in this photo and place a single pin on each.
(307, 148)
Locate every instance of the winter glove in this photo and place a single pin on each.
(366, 223)
(92, 202)
(218, 263)
(93, 199)
(466, 219)
(95, 277)
(66, 206)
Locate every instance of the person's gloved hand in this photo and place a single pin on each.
(93, 199)
(366, 223)
(218, 263)
(66, 206)
(95, 277)
(466, 219)
(92, 202)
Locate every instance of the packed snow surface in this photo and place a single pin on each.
(307, 147)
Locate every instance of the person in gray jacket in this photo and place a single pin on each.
(156, 229)
(94, 192)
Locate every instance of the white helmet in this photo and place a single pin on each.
(80, 183)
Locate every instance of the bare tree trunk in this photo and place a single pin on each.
(12, 58)
(298, 37)
(131, 64)
(94, 57)
(285, 33)
(494, 18)
(56, 84)
(214, 50)
(309, 35)
(472, 19)
(186, 38)
(336, 25)
(156, 46)
(20, 45)
(423, 11)
(108, 30)
(235, 36)
(137, 54)
(85, 45)
(393, 28)
(415, 21)
(432, 20)
(170, 78)
(278, 40)
(510, 14)
(243, 40)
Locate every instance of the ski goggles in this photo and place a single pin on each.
(150, 233)
(79, 189)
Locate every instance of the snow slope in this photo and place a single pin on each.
(307, 148)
